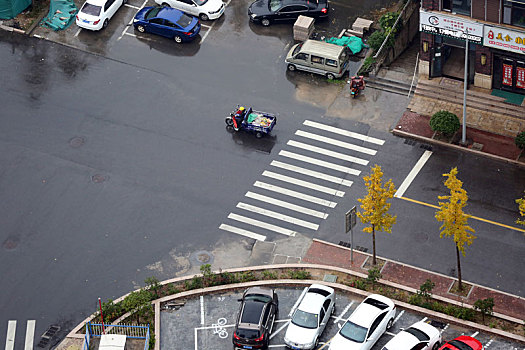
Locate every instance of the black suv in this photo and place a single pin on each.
(259, 307)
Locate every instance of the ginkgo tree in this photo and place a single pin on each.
(375, 206)
(454, 220)
(521, 207)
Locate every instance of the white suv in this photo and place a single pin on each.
(95, 14)
(204, 9)
(310, 318)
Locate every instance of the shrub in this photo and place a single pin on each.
(367, 65)
(387, 21)
(376, 39)
(152, 284)
(194, 283)
(298, 274)
(246, 276)
(373, 276)
(444, 122)
(425, 289)
(484, 306)
(415, 299)
(359, 284)
(269, 275)
(520, 140)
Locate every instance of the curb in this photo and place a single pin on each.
(11, 29)
(288, 282)
(461, 148)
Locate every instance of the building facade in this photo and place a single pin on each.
(495, 32)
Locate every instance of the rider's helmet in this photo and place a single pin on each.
(241, 108)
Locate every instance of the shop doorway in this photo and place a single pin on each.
(509, 74)
(448, 60)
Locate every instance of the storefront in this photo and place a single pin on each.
(508, 51)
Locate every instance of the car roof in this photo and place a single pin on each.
(405, 339)
(365, 313)
(96, 2)
(170, 14)
(328, 50)
(314, 298)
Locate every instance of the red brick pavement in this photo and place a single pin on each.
(330, 254)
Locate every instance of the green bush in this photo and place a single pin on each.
(387, 21)
(376, 39)
(269, 275)
(374, 274)
(444, 122)
(520, 140)
(415, 299)
(484, 306)
(359, 284)
(298, 274)
(367, 65)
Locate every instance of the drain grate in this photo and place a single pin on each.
(349, 245)
(47, 336)
(438, 324)
(426, 147)
(410, 142)
(98, 178)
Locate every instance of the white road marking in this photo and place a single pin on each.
(242, 232)
(424, 319)
(312, 173)
(295, 194)
(446, 326)
(277, 216)
(302, 183)
(133, 7)
(474, 335)
(262, 224)
(335, 142)
(298, 301)
(205, 35)
(344, 132)
(279, 329)
(133, 35)
(398, 316)
(488, 344)
(339, 318)
(202, 309)
(410, 177)
(10, 339)
(30, 334)
(319, 162)
(283, 204)
(327, 152)
(205, 26)
(390, 334)
(78, 31)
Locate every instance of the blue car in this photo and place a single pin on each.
(167, 22)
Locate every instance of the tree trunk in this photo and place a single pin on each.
(374, 262)
(460, 284)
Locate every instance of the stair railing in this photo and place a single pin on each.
(414, 76)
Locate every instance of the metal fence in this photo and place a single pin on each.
(130, 331)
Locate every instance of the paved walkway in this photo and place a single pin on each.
(326, 253)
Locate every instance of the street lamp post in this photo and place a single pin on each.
(464, 126)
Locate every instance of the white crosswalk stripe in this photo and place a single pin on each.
(327, 152)
(344, 132)
(277, 216)
(30, 334)
(11, 335)
(286, 205)
(242, 232)
(302, 183)
(335, 142)
(311, 173)
(11, 332)
(261, 224)
(319, 162)
(295, 194)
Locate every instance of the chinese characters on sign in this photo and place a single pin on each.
(520, 77)
(504, 39)
(507, 75)
(437, 23)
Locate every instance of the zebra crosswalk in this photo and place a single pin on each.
(310, 175)
(11, 334)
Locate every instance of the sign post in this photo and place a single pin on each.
(350, 221)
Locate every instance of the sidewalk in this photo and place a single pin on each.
(325, 253)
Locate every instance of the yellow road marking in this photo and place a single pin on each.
(473, 217)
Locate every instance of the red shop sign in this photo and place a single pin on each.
(520, 77)
(507, 74)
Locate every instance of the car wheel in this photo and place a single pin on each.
(390, 323)
(265, 22)
(165, 4)
(333, 310)
(258, 134)
(316, 343)
(177, 39)
(291, 67)
(141, 28)
(204, 17)
(229, 121)
(436, 346)
(330, 76)
(105, 24)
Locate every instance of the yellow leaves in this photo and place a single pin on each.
(452, 215)
(521, 207)
(374, 205)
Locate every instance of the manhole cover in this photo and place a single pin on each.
(11, 243)
(77, 141)
(98, 178)
(201, 257)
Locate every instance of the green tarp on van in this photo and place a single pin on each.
(354, 43)
(11, 8)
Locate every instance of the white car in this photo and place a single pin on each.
(95, 14)
(419, 336)
(204, 9)
(366, 324)
(310, 318)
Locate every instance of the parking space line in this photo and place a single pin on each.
(344, 312)
(424, 319)
(202, 309)
(488, 344)
(125, 31)
(297, 302)
(398, 316)
(446, 326)
(133, 7)
(390, 334)
(474, 335)
(279, 330)
(78, 31)
(206, 26)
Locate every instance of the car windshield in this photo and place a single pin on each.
(184, 20)
(297, 49)
(258, 297)
(274, 5)
(353, 332)
(152, 13)
(305, 319)
(247, 333)
(200, 2)
(91, 9)
(460, 345)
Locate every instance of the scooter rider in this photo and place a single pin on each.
(238, 117)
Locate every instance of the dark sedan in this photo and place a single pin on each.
(259, 307)
(167, 22)
(268, 11)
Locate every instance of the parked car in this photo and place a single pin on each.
(463, 342)
(366, 324)
(419, 336)
(95, 14)
(310, 318)
(204, 9)
(257, 313)
(167, 22)
(268, 11)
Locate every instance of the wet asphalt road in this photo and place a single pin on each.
(117, 166)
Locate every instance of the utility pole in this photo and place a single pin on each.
(465, 81)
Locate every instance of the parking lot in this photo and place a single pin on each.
(206, 323)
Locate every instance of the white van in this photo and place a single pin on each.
(319, 57)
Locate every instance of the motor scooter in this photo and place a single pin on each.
(356, 85)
